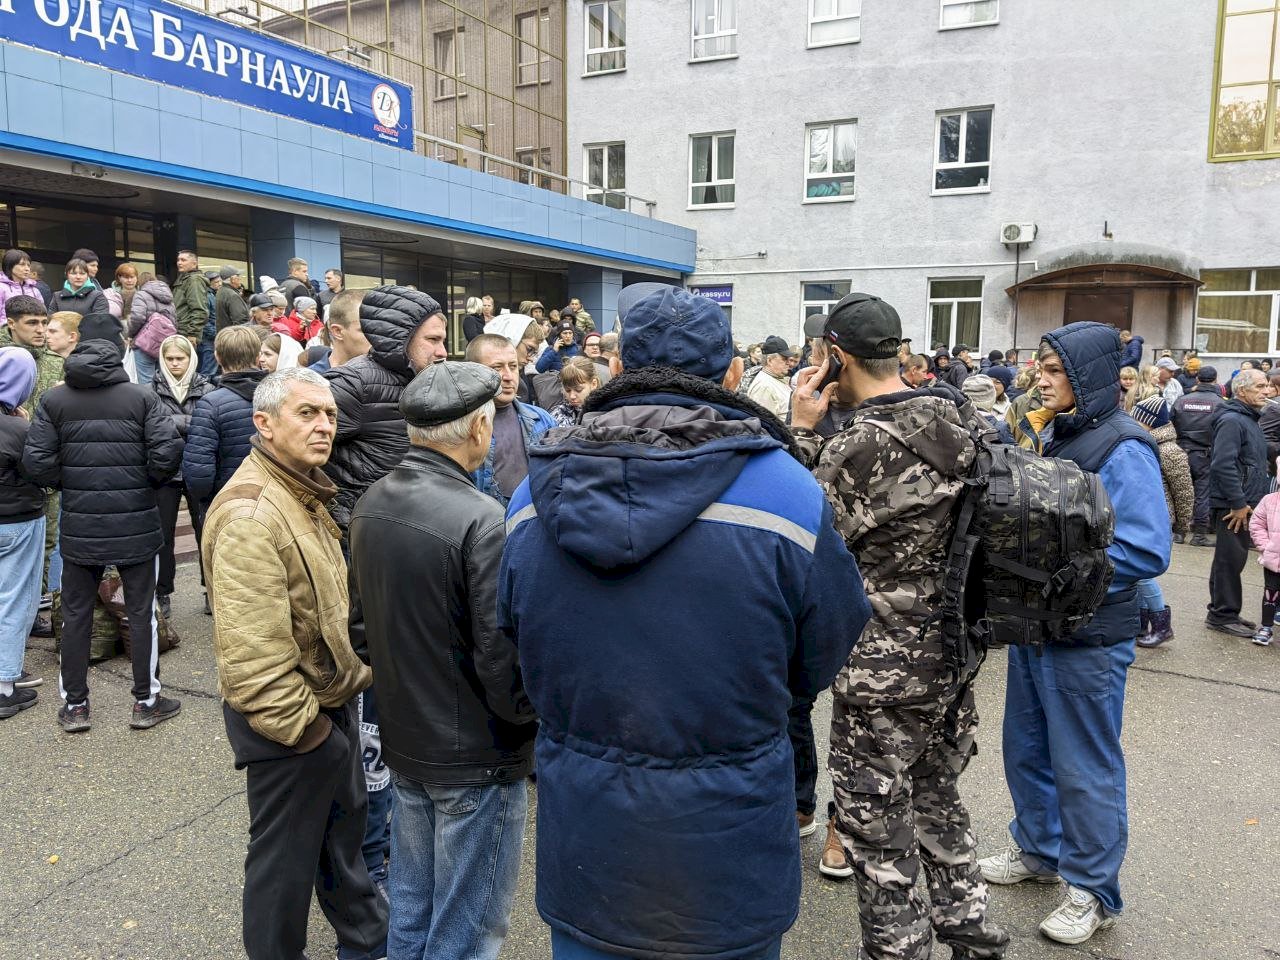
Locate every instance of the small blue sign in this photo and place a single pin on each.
(720, 293)
(182, 48)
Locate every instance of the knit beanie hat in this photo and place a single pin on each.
(1191, 365)
(981, 389)
(996, 357)
(303, 303)
(1152, 412)
(101, 326)
(1003, 374)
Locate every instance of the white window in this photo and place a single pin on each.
(451, 61)
(955, 312)
(962, 151)
(969, 13)
(715, 29)
(1238, 312)
(834, 21)
(829, 154)
(606, 36)
(820, 296)
(711, 170)
(532, 65)
(606, 165)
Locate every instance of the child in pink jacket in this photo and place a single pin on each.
(1264, 528)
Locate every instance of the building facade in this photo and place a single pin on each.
(137, 129)
(1130, 150)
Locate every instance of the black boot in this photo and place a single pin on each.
(1161, 629)
(1145, 630)
(1179, 538)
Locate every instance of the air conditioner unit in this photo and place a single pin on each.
(1020, 233)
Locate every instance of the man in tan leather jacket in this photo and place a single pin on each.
(288, 676)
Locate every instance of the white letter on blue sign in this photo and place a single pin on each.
(225, 54)
(200, 52)
(301, 77)
(341, 98)
(90, 10)
(166, 46)
(63, 17)
(6, 6)
(122, 26)
(247, 67)
(278, 81)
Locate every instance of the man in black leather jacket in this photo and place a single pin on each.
(457, 727)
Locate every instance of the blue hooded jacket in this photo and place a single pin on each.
(666, 796)
(1103, 439)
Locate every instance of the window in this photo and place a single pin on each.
(532, 65)
(834, 21)
(962, 158)
(606, 36)
(711, 170)
(1238, 311)
(715, 29)
(955, 312)
(821, 296)
(607, 173)
(535, 158)
(1246, 122)
(829, 152)
(969, 13)
(451, 58)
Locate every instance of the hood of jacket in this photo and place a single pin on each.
(243, 382)
(94, 363)
(1235, 406)
(1090, 355)
(389, 316)
(1166, 434)
(159, 292)
(934, 423)
(641, 467)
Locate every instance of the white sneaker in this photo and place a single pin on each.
(1008, 867)
(1079, 918)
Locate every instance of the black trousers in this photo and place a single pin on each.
(1198, 460)
(306, 824)
(800, 732)
(79, 591)
(1230, 553)
(168, 499)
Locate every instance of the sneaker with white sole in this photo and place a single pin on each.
(1007, 867)
(834, 862)
(807, 823)
(1263, 637)
(1079, 917)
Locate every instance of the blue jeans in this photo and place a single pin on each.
(206, 364)
(21, 568)
(1150, 596)
(146, 366)
(1064, 765)
(455, 858)
(377, 828)
(564, 947)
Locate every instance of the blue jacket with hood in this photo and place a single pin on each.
(1131, 354)
(666, 797)
(1101, 438)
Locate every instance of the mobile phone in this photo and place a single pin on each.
(834, 366)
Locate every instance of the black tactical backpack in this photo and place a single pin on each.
(1028, 563)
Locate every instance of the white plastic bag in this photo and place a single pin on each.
(130, 366)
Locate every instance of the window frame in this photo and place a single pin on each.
(931, 301)
(943, 4)
(989, 163)
(1273, 335)
(458, 52)
(715, 163)
(823, 305)
(1271, 119)
(841, 198)
(541, 59)
(694, 36)
(857, 18)
(539, 157)
(589, 51)
(604, 190)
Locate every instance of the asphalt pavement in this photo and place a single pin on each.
(130, 844)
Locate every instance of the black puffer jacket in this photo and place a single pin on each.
(88, 299)
(20, 499)
(106, 444)
(371, 436)
(180, 412)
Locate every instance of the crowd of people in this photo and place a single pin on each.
(431, 579)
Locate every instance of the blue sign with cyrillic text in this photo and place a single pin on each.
(721, 294)
(182, 48)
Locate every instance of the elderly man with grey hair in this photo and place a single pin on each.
(1237, 481)
(288, 678)
(457, 727)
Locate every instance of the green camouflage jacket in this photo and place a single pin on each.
(892, 477)
(48, 369)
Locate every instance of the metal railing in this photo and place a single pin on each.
(499, 166)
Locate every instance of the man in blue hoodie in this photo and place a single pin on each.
(1064, 703)
(666, 798)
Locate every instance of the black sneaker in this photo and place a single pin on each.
(74, 719)
(46, 601)
(164, 606)
(144, 716)
(27, 680)
(1200, 540)
(43, 627)
(1234, 628)
(16, 702)
(208, 611)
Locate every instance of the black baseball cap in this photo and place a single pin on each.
(776, 345)
(865, 326)
(814, 325)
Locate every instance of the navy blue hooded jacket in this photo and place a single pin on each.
(219, 434)
(666, 787)
(1238, 475)
(1131, 354)
(1101, 438)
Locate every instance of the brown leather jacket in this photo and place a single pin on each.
(278, 589)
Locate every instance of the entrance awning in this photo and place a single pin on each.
(1096, 266)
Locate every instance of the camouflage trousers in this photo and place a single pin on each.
(895, 770)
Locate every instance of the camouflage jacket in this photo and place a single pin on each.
(892, 477)
(48, 369)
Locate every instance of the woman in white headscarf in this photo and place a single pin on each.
(279, 352)
(179, 385)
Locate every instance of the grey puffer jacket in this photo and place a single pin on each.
(154, 296)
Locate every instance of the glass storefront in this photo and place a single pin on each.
(50, 234)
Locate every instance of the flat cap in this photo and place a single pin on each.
(447, 391)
